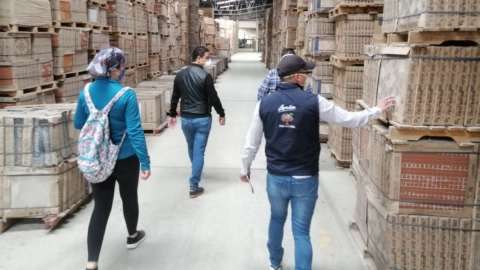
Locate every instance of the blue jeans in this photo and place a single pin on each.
(196, 131)
(303, 194)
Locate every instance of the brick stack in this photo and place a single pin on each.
(184, 49)
(154, 41)
(97, 22)
(193, 25)
(417, 169)
(268, 38)
(210, 34)
(355, 27)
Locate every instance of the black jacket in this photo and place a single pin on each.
(195, 87)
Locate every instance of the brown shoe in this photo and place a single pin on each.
(196, 192)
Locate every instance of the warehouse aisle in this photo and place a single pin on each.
(224, 229)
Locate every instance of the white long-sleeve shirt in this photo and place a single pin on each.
(328, 112)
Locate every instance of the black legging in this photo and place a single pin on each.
(126, 173)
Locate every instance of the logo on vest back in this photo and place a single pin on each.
(287, 118)
(284, 108)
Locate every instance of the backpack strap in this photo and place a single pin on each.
(109, 106)
(88, 99)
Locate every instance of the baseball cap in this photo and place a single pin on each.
(293, 64)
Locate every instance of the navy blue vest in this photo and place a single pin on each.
(291, 126)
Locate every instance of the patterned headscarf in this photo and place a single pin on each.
(106, 60)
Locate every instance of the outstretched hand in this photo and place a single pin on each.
(386, 103)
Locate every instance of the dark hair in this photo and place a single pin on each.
(287, 51)
(199, 51)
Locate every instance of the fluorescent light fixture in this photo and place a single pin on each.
(226, 6)
(225, 2)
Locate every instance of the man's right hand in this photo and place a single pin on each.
(172, 122)
(386, 103)
(222, 121)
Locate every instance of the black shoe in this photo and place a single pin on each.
(133, 243)
(196, 192)
(92, 268)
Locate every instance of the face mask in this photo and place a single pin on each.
(120, 77)
(208, 64)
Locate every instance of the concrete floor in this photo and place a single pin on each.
(226, 228)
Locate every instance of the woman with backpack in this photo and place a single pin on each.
(112, 148)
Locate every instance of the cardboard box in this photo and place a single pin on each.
(152, 107)
(153, 23)
(154, 43)
(348, 87)
(70, 89)
(141, 19)
(31, 192)
(154, 66)
(98, 40)
(354, 31)
(403, 16)
(42, 47)
(141, 50)
(432, 85)
(130, 78)
(127, 45)
(25, 13)
(24, 74)
(407, 176)
(141, 74)
(70, 62)
(15, 47)
(120, 15)
(69, 11)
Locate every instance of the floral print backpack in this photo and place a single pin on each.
(97, 154)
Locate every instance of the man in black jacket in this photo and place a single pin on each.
(194, 86)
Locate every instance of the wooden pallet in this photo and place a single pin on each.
(100, 27)
(62, 77)
(155, 13)
(424, 38)
(154, 74)
(70, 24)
(140, 65)
(339, 163)
(355, 8)
(343, 62)
(137, 2)
(51, 221)
(94, 3)
(153, 33)
(320, 14)
(153, 53)
(11, 28)
(129, 67)
(122, 33)
(399, 133)
(148, 129)
(141, 34)
(40, 88)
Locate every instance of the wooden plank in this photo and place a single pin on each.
(342, 63)
(426, 38)
(355, 8)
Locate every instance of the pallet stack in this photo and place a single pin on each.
(417, 170)
(356, 25)
(40, 178)
(193, 25)
(267, 52)
(184, 49)
(26, 67)
(154, 42)
(210, 34)
(98, 25)
(227, 39)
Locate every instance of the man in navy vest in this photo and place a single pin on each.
(290, 119)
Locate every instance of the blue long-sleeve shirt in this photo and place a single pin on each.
(270, 84)
(124, 115)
